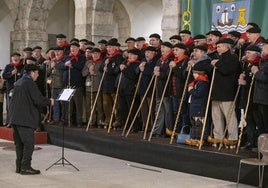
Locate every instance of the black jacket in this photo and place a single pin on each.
(26, 102)
(226, 75)
(9, 78)
(261, 85)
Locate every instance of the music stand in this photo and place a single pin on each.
(65, 95)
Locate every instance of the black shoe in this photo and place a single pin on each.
(29, 171)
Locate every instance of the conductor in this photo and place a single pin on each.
(24, 117)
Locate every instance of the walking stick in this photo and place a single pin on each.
(95, 101)
(206, 112)
(150, 110)
(160, 104)
(132, 103)
(115, 101)
(91, 96)
(180, 106)
(245, 115)
(138, 110)
(229, 116)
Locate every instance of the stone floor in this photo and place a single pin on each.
(95, 171)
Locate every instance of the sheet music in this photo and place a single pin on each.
(66, 94)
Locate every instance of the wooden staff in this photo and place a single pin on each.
(160, 104)
(229, 116)
(245, 115)
(95, 101)
(180, 105)
(138, 110)
(115, 101)
(132, 103)
(91, 95)
(206, 112)
(150, 110)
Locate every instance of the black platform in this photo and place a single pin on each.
(206, 162)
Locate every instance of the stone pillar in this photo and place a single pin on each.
(171, 18)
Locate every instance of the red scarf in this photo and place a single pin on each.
(164, 58)
(255, 62)
(16, 64)
(96, 61)
(116, 52)
(201, 77)
(212, 48)
(145, 45)
(74, 56)
(189, 42)
(180, 59)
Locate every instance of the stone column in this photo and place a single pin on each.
(171, 18)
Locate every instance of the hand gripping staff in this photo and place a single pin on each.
(160, 104)
(180, 105)
(132, 103)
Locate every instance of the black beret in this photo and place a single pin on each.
(15, 54)
(225, 41)
(235, 34)
(102, 41)
(199, 37)
(150, 48)
(75, 44)
(199, 68)
(37, 47)
(58, 48)
(83, 40)
(28, 49)
(185, 32)
(253, 24)
(201, 47)
(155, 35)
(178, 37)
(253, 48)
(215, 33)
(74, 40)
(90, 43)
(254, 30)
(130, 39)
(180, 45)
(31, 67)
(113, 40)
(140, 39)
(95, 50)
(167, 44)
(31, 58)
(62, 36)
(134, 51)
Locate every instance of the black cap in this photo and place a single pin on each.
(74, 40)
(134, 51)
(102, 41)
(58, 48)
(185, 32)
(62, 36)
(196, 37)
(113, 40)
(83, 40)
(31, 67)
(253, 48)
(95, 50)
(155, 35)
(235, 34)
(31, 58)
(225, 41)
(178, 37)
(215, 33)
(37, 47)
(199, 68)
(167, 44)
(140, 39)
(150, 48)
(15, 54)
(254, 30)
(27, 49)
(201, 47)
(75, 44)
(180, 45)
(130, 39)
(90, 43)
(253, 24)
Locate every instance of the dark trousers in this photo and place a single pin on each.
(24, 142)
(262, 118)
